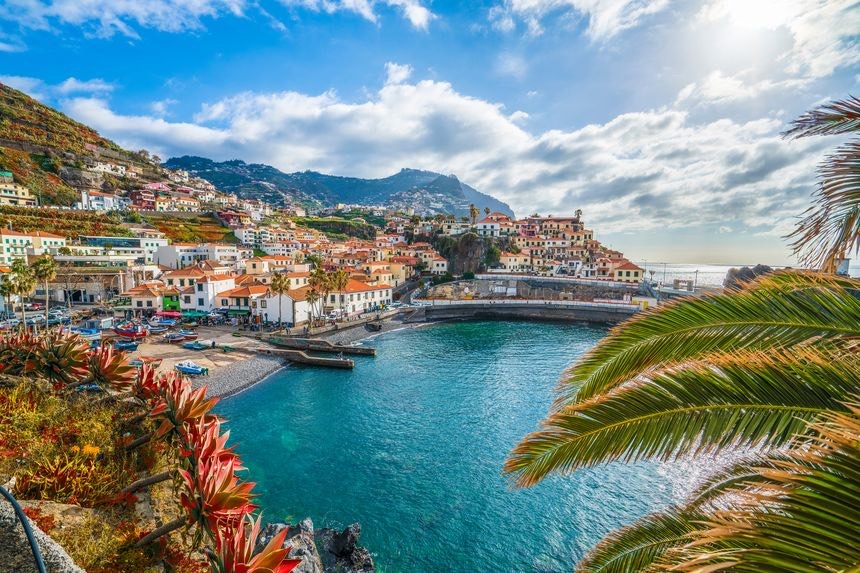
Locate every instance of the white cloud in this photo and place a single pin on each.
(724, 229)
(160, 108)
(109, 17)
(106, 18)
(606, 18)
(649, 170)
(824, 32)
(413, 10)
(397, 73)
(513, 65)
(717, 88)
(38, 89)
(74, 85)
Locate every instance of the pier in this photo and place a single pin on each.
(316, 345)
(550, 310)
(301, 357)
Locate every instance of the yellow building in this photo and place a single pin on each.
(628, 273)
(12, 193)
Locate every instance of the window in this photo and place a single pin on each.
(200, 302)
(139, 303)
(199, 287)
(187, 299)
(262, 304)
(149, 303)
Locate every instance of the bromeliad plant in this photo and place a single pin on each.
(215, 501)
(771, 369)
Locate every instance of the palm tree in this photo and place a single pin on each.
(486, 210)
(320, 281)
(769, 369)
(311, 298)
(473, 213)
(339, 282)
(280, 286)
(45, 270)
(6, 292)
(23, 282)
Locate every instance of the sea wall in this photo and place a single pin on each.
(572, 311)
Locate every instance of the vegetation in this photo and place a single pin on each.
(67, 446)
(192, 228)
(65, 223)
(338, 226)
(40, 174)
(770, 369)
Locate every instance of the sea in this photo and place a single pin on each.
(704, 274)
(411, 444)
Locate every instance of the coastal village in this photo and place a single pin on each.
(274, 271)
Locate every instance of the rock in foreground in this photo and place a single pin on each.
(322, 551)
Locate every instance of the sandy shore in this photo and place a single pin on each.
(233, 371)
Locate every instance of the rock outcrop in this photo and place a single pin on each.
(15, 553)
(324, 550)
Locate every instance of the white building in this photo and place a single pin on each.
(179, 255)
(488, 228)
(358, 297)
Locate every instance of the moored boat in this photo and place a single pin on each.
(188, 334)
(128, 345)
(189, 367)
(173, 338)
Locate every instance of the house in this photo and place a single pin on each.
(151, 297)
(627, 272)
(515, 262)
(149, 245)
(179, 255)
(15, 245)
(437, 265)
(14, 194)
(203, 294)
(240, 301)
(98, 201)
(292, 307)
(488, 227)
(358, 297)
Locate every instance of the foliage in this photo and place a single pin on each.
(338, 226)
(469, 275)
(65, 223)
(439, 279)
(191, 227)
(770, 369)
(831, 227)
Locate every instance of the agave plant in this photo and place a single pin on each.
(62, 358)
(179, 404)
(111, 369)
(766, 369)
(235, 551)
(214, 496)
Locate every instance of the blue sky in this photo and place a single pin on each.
(660, 119)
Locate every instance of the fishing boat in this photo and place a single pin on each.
(153, 361)
(173, 337)
(157, 329)
(162, 321)
(128, 345)
(374, 326)
(189, 367)
(130, 330)
(188, 334)
(90, 334)
(196, 345)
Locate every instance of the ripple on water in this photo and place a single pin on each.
(411, 444)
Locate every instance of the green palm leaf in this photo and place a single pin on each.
(831, 227)
(807, 519)
(751, 399)
(834, 118)
(782, 310)
(639, 545)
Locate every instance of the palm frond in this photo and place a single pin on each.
(807, 519)
(775, 311)
(639, 545)
(831, 227)
(834, 118)
(747, 398)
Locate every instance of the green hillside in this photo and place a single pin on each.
(69, 224)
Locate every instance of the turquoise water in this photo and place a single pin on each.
(411, 444)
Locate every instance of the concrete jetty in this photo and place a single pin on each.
(317, 345)
(300, 357)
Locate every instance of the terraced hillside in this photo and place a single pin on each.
(63, 222)
(192, 227)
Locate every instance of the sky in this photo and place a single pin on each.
(660, 119)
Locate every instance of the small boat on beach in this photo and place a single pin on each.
(192, 368)
(90, 334)
(127, 345)
(188, 334)
(196, 345)
(166, 322)
(153, 361)
(173, 337)
(133, 331)
(157, 329)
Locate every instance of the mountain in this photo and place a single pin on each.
(425, 191)
(46, 150)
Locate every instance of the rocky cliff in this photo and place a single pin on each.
(323, 550)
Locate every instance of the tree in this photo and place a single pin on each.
(473, 213)
(339, 282)
(45, 270)
(769, 370)
(6, 291)
(311, 298)
(486, 210)
(23, 282)
(280, 286)
(314, 261)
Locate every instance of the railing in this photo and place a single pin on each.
(530, 302)
(28, 531)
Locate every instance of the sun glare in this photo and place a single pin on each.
(769, 14)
